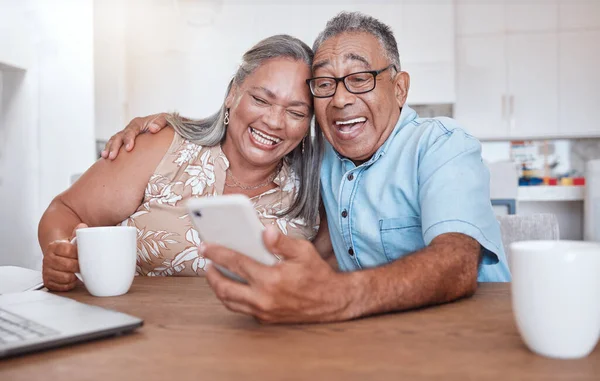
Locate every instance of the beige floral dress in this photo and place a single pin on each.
(166, 240)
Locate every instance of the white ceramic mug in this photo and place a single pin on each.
(107, 258)
(556, 296)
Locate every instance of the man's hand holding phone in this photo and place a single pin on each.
(301, 288)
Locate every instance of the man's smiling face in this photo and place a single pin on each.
(358, 124)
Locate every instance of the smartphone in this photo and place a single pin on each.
(230, 221)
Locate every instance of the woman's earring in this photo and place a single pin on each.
(303, 145)
(226, 119)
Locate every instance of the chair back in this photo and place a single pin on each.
(527, 228)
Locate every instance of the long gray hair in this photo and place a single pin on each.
(306, 165)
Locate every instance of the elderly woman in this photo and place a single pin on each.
(258, 144)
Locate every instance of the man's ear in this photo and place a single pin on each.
(401, 86)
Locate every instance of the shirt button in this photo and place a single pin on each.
(344, 214)
(350, 177)
(351, 252)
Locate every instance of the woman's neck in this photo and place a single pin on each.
(243, 171)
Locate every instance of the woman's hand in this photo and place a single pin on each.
(139, 125)
(60, 264)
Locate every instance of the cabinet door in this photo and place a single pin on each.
(476, 18)
(427, 33)
(532, 16)
(481, 86)
(431, 82)
(427, 47)
(580, 14)
(579, 83)
(533, 85)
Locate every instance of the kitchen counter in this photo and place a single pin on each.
(551, 193)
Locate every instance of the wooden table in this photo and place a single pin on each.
(189, 335)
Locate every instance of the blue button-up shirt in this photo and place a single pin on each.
(427, 179)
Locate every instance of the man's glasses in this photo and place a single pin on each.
(356, 83)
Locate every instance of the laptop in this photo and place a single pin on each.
(37, 320)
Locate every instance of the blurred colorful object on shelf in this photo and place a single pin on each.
(566, 181)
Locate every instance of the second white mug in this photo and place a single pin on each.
(556, 296)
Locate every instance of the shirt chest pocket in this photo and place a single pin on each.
(401, 236)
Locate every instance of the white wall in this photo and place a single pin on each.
(15, 36)
(47, 115)
(19, 169)
(66, 93)
(2, 129)
(19, 172)
(110, 101)
(180, 54)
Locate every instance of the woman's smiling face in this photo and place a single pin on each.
(270, 112)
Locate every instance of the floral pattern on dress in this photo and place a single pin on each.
(160, 192)
(201, 176)
(187, 153)
(167, 242)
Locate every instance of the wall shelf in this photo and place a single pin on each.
(551, 193)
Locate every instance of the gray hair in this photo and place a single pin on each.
(352, 22)
(305, 159)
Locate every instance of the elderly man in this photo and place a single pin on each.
(407, 198)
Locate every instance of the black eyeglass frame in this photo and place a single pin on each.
(374, 73)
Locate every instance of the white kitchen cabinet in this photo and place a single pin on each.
(481, 86)
(476, 18)
(430, 25)
(524, 77)
(579, 14)
(507, 85)
(531, 16)
(532, 102)
(432, 69)
(479, 17)
(579, 83)
(431, 83)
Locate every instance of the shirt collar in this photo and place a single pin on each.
(407, 115)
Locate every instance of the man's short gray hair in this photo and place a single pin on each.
(348, 22)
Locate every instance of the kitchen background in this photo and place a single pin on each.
(522, 76)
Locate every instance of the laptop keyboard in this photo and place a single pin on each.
(14, 328)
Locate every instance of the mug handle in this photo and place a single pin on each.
(78, 275)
